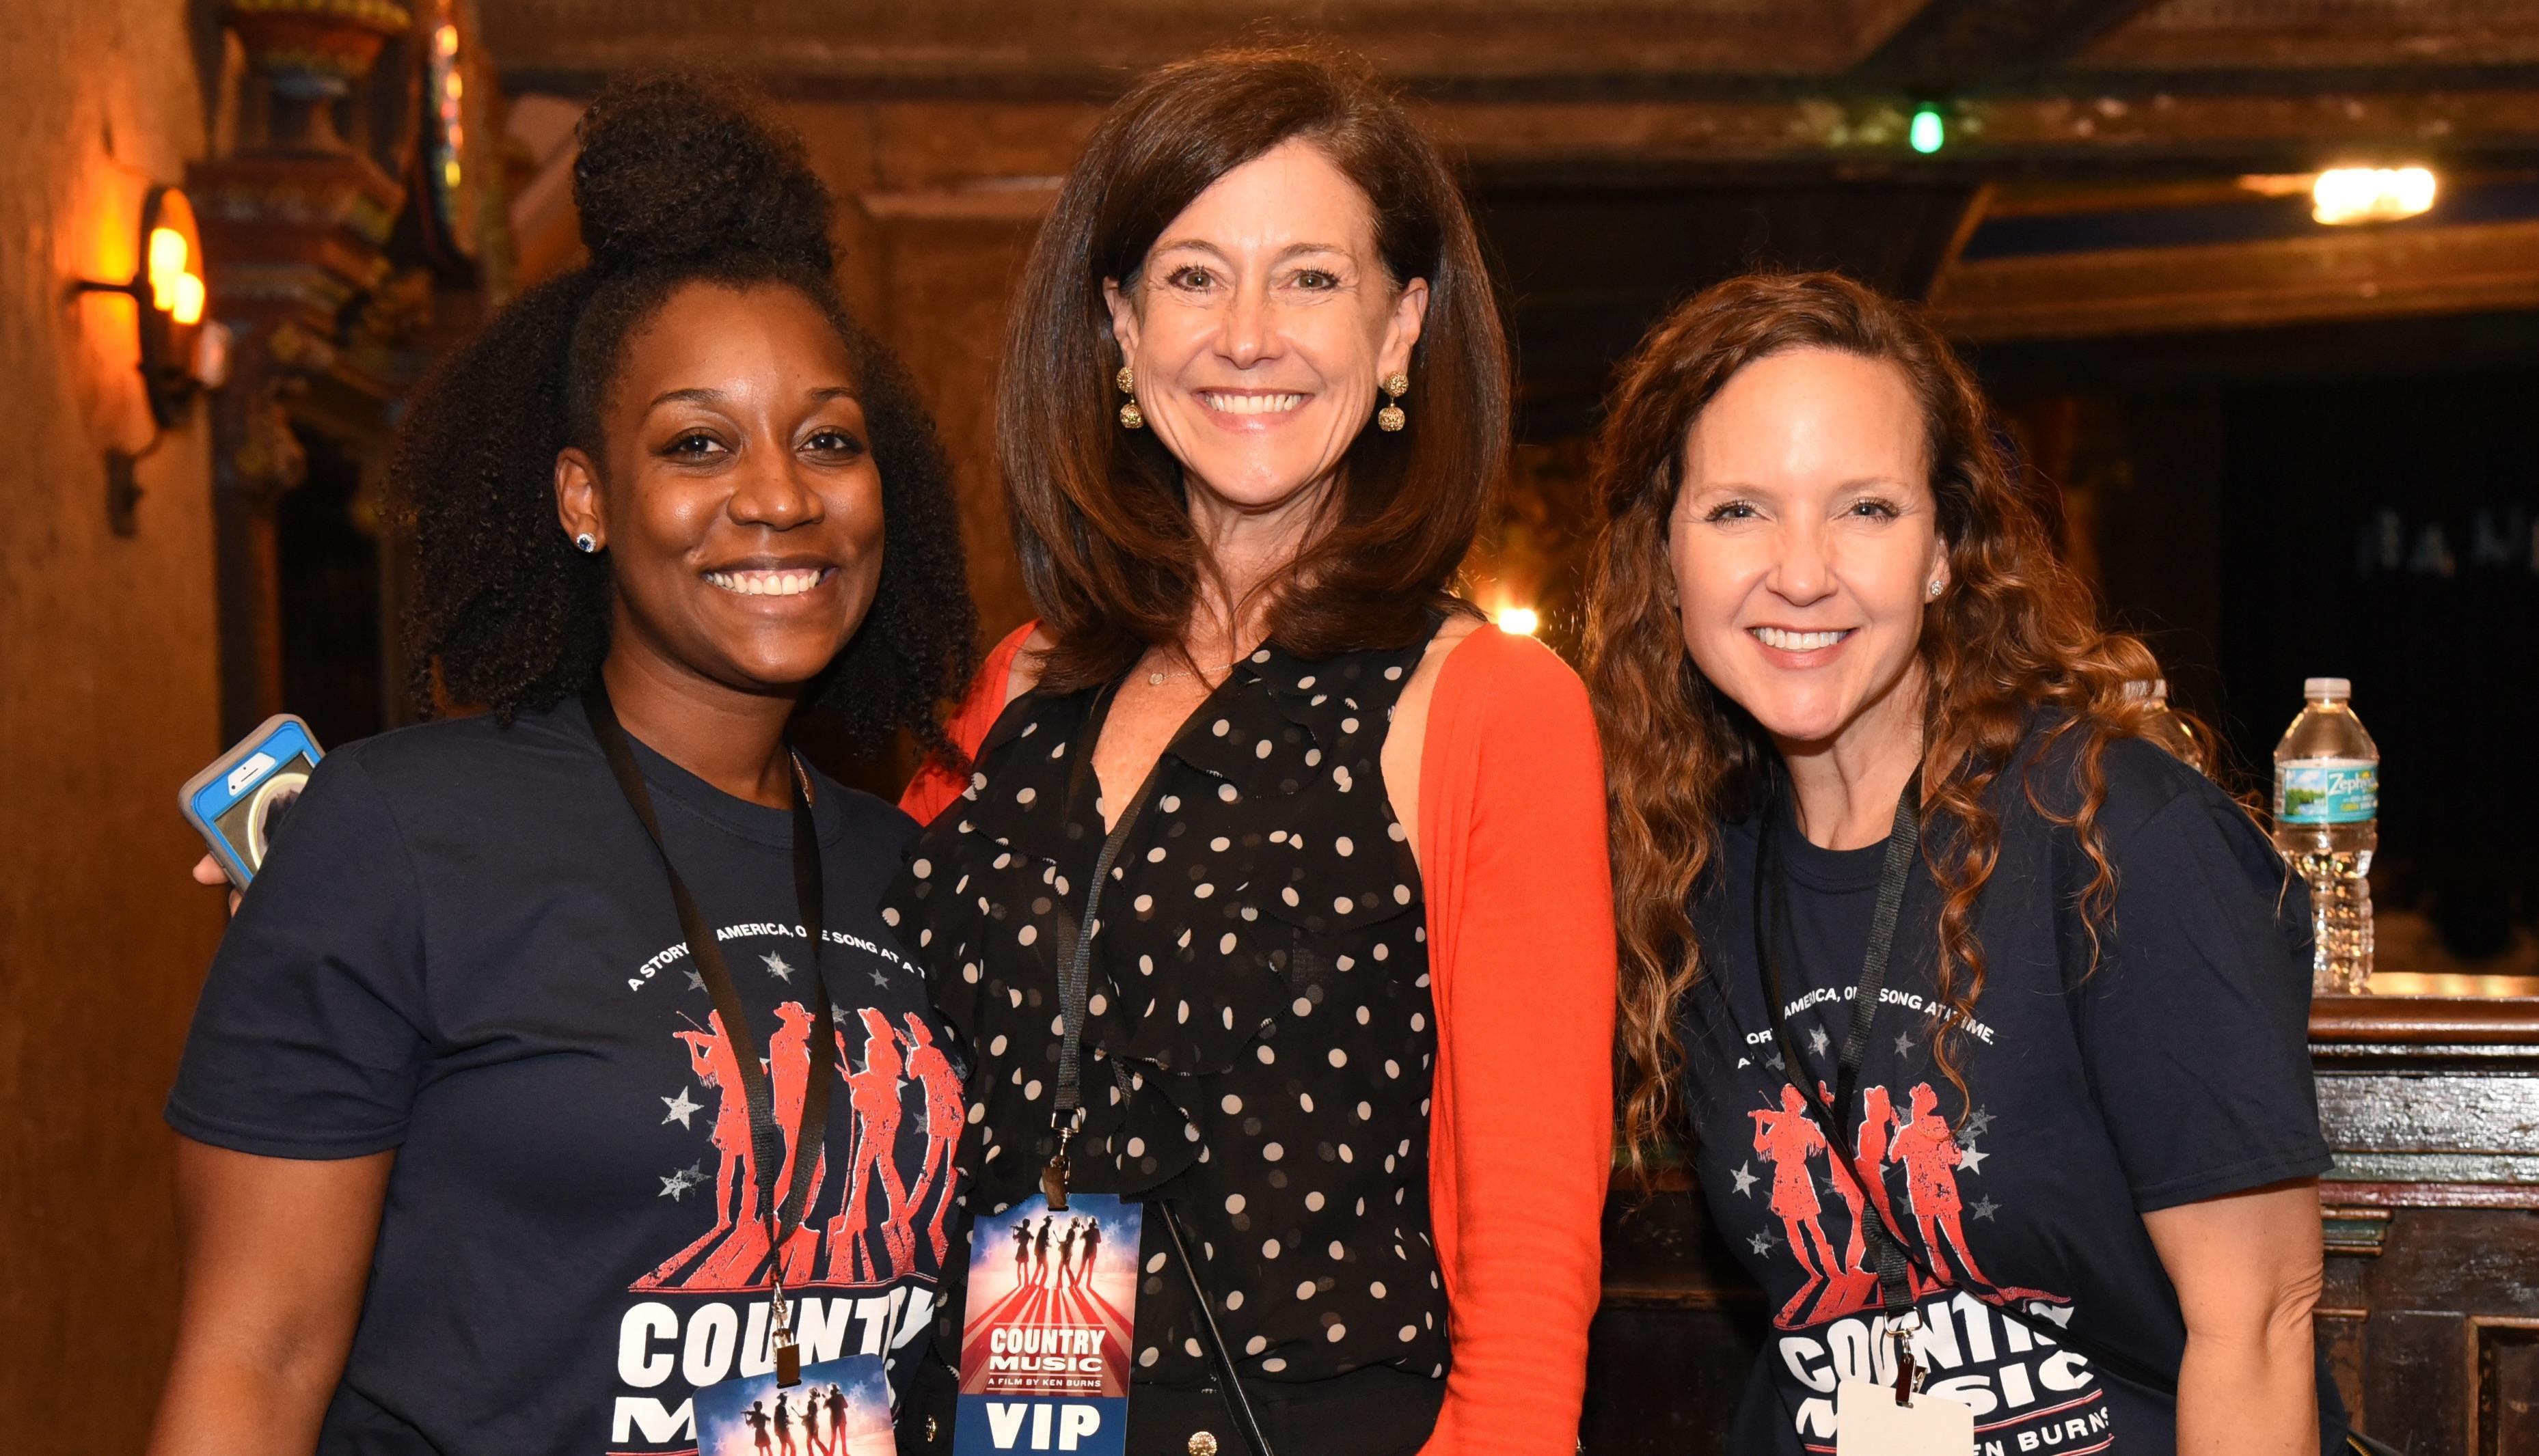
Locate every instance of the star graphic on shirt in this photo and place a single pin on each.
(1979, 1124)
(1744, 1177)
(1763, 1243)
(1818, 1041)
(1972, 1159)
(1903, 1043)
(681, 1108)
(880, 978)
(676, 1185)
(777, 968)
(1775, 1063)
(1985, 1210)
(697, 982)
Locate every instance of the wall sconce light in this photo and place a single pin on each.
(182, 351)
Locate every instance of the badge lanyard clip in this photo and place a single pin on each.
(1908, 1374)
(784, 1213)
(1053, 1179)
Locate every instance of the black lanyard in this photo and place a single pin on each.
(1074, 978)
(767, 1140)
(1771, 914)
(1884, 1243)
(1076, 972)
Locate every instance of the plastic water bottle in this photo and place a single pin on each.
(2164, 727)
(2328, 809)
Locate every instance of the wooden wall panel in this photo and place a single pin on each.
(108, 701)
(938, 205)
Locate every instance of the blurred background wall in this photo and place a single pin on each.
(109, 699)
(2279, 446)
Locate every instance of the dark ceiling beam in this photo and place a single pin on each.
(1952, 46)
(2001, 136)
(2333, 274)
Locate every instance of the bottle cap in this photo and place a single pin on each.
(2334, 690)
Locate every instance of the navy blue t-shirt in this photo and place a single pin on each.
(463, 948)
(2175, 1071)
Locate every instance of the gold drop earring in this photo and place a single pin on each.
(1389, 419)
(1130, 417)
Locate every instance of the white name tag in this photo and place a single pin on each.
(1869, 1423)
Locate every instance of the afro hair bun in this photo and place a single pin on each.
(677, 170)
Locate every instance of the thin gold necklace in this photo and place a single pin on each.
(1158, 678)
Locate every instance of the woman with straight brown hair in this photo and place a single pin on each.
(1984, 1015)
(1342, 1006)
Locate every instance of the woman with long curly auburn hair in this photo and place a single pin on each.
(1984, 1017)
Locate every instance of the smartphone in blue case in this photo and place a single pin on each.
(234, 803)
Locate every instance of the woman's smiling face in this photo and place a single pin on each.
(1806, 539)
(739, 505)
(1260, 326)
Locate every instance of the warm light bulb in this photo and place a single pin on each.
(185, 301)
(1518, 619)
(447, 37)
(168, 259)
(2370, 194)
(454, 86)
(449, 172)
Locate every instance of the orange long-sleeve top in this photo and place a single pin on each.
(1512, 857)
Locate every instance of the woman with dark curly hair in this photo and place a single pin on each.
(491, 1139)
(1985, 1016)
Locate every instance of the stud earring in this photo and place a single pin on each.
(1389, 419)
(1130, 417)
(1935, 585)
(586, 542)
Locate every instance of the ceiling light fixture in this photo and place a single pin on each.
(2370, 194)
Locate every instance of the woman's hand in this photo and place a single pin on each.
(208, 871)
(2248, 1268)
(273, 1254)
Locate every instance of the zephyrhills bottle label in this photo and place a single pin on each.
(2327, 791)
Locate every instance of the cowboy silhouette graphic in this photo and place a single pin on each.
(873, 1094)
(1930, 1157)
(1092, 1246)
(927, 1064)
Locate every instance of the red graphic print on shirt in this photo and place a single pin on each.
(1924, 1147)
(871, 1231)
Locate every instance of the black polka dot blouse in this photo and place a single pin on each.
(1258, 1037)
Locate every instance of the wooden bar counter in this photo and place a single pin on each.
(2429, 1090)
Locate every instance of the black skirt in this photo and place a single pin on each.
(1379, 1411)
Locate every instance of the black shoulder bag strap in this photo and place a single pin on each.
(1066, 1112)
(1885, 1245)
(767, 1140)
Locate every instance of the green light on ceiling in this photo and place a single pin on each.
(1930, 130)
